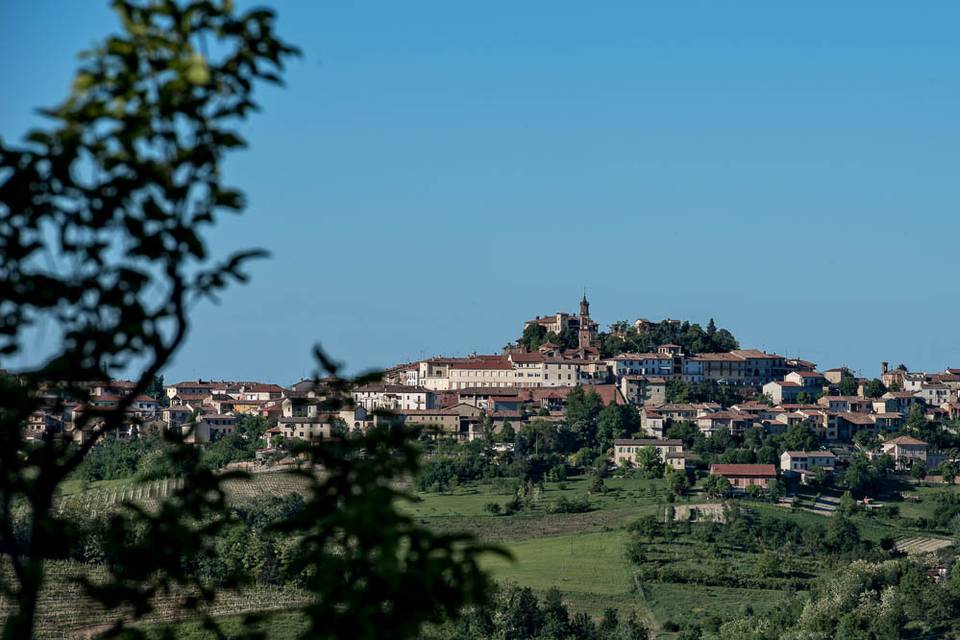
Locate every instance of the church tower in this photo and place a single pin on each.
(587, 332)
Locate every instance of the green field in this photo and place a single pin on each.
(583, 554)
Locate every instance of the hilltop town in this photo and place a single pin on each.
(732, 390)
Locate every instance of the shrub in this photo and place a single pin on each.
(577, 505)
(512, 506)
(493, 508)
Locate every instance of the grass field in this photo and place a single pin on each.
(583, 554)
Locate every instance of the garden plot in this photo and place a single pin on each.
(921, 545)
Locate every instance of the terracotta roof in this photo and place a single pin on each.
(717, 357)
(192, 383)
(810, 454)
(807, 374)
(724, 415)
(755, 354)
(527, 357)
(749, 470)
(906, 440)
(483, 364)
(858, 418)
(609, 393)
(647, 442)
(262, 387)
(389, 388)
(642, 356)
(489, 391)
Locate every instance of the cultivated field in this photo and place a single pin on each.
(583, 554)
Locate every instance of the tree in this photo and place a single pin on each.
(534, 335)
(615, 421)
(677, 391)
(874, 389)
(156, 390)
(103, 223)
(649, 463)
(862, 476)
(677, 481)
(848, 386)
(800, 437)
(717, 486)
(916, 421)
(582, 411)
(129, 176)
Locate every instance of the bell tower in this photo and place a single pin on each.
(587, 332)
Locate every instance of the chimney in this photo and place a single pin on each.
(884, 367)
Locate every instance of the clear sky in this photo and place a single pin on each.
(437, 172)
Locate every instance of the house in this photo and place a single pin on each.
(812, 382)
(144, 405)
(316, 427)
(934, 393)
(796, 364)
(748, 367)
(888, 421)
(733, 421)
(761, 367)
(846, 403)
(609, 393)
(393, 397)
(189, 387)
(482, 372)
(644, 390)
(837, 375)
(257, 391)
(41, 424)
(487, 397)
(175, 416)
(652, 423)
(850, 422)
(528, 368)
(905, 451)
(113, 388)
(460, 420)
(742, 476)
(209, 427)
(671, 451)
(642, 364)
(564, 372)
(806, 461)
(783, 391)
(902, 401)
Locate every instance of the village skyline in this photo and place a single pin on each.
(453, 174)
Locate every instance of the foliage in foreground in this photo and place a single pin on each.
(102, 243)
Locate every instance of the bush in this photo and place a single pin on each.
(577, 505)
(596, 484)
(493, 508)
(512, 506)
(671, 626)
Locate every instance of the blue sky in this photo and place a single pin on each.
(436, 172)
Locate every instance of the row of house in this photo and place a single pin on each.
(905, 451)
